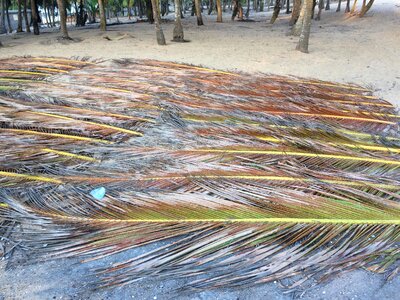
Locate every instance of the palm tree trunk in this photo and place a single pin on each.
(50, 23)
(237, 10)
(328, 5)
(248, 9)
(19, 28)
(129, 9)
(211, 7)
(10, 29)
(149, 11)
(365, 8)
(198, 12)
(103, 21)
(157, 22)
(320, 8)
(219, 11)
(313, 9)
(347, 7)
(277, 9)
(3, 28)
(296, 30)
(35, 17)
(353, 8)
(302, 46)
(45, 13)
(27, 22)
(338, 6)
(295, 12)
(63, 19)
(178, 29)
(53, 14)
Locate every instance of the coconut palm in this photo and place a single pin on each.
(178, 29)
(63, 19)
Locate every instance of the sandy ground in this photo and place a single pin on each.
(344, 49)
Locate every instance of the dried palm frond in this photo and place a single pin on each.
(246, 178)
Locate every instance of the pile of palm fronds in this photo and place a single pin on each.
(246, 179)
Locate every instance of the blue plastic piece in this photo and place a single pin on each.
(98, 193)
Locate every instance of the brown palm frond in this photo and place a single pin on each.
(244, 178)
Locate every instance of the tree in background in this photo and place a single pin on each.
(19, 28)
(197, 4)
(178, 29)
(3, 28)
(92, 7)
(103, 21)
(219, 11)
(27, 23)
(306, 26)
(35, 17)
(156, 15)
(115, 8)
(63, 19)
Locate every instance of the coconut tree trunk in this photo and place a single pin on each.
(211, 7)
(366, 8)
(320, 8)
(295, 12)
(347, 7)
(197, 4)
(19, 28)
(296, 30)
(102, 11)
(237, 10)
(363, 4)
(287, 7)
(219, 11)
(338, 6)
(149, 11)
(45, 13)
(313, 9)
(63, 19)
(129, 10)
(235, 7)
(157, 22)
(353, 8)
(247, 14)
(10, 29)
(178, 29)
(50, 23)
(35, 17)
(53, 14)
(302, 46)
(328, 5)
(3, 28)
(277, 9)
(27, 22)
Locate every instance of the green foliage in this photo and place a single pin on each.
(92, 6)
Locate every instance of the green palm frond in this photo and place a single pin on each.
(245, 179)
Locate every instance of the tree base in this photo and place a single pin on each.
(64, 38)
(180, 40)
(160, 38)
(301, 49)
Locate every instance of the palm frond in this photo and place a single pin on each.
(245, 179)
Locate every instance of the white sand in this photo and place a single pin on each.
(344, 49)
